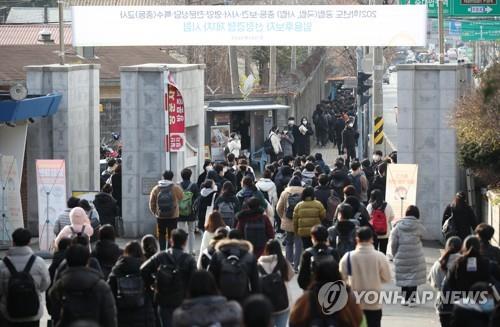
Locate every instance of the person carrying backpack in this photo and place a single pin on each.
(358, 179)
(462, 215)
(106, 251)
(134, 304)
(313, 255)
(168, 273)
(227, 204)
(275, 273)
(80, 224)
(248, 191)
(23, 279)
(286, 204)
(187, 216)
(81, 295)
(306, 214)
(342, 235)
(234, 268)
(164, 202)
(381, 216)
(255, 226)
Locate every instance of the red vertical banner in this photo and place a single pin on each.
(174, 103)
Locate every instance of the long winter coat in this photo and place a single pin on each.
(142, 316)
(405, 242)
(307, 214)
(287, 141)
(303, 142)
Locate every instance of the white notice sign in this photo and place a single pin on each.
(401, 187)
(355, 25)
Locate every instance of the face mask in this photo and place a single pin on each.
(291, 122)
(285, 131)
(209, 168)
(376, 157)
(304, 122)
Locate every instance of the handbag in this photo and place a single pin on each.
(210, 208)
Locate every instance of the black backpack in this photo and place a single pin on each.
(346, 242)
(273, 286)
(226, 210)
(165, 201)
(74, 233)
(169, 283)
(255, 233)
(233, 279)
(22, 296)
(130, 292)
(79, 305)
(292, 201)
(318, 255)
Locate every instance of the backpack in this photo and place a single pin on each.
(318, 255)
(186, 204)
(449, 228)
(356, 182)
(165, 203)
(378, 220)
(274, 288)
(268, 146)
(22, 296)
(78, 305)
(255, 233)
(233, 280)
(346, 243)
(226, 210)
(169, 282)
(74, 233)
(130, 292)
(293, 200)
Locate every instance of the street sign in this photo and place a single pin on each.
(480, 31)
(461, 8)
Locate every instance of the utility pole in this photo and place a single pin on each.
(441, 31)
(272, 69)
(60, 3)
(293, 58)
(377, 139)
(233, 69)
(361, 115)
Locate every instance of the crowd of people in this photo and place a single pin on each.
(302, 217)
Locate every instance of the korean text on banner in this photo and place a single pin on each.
(401, 187)
(11, 216)
(301, 25)
(51, 186)
(174, 103)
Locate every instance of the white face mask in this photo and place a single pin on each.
(376, 157)
(291, 122)
(304, 122)
(209, 168)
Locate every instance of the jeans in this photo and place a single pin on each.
(373, 317)
(189, 227)
(164, 228)
(381, 245)
(281, 319)
(293, 249)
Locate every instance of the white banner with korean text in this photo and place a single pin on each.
(302, 25)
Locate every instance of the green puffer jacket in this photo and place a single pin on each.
(307, 214)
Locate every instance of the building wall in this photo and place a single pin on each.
(426, 99)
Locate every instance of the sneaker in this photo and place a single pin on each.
(404, 303)
(412, 303)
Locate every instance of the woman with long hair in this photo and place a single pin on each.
(308, 212)
(464, 218)
(438, 273)
(272, 262)
(213, 222)
(377, 205)
(227, 204)
(149, 245)
(307, 312)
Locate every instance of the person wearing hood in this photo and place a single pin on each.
(276, 143)
(285, 207)
(287, 141)
(243, 250)
(293, 129)
(208, 195)
(270, 262)
(205, 306)
(207, 166)
(106, 205)
(303, 138)
(255, 226)
(438, 273)
(267, 186)
(93, 215)
(342, 235)
(405, 242)
(234, 144)
(63, 219)
(307, 213)
(106, 251)
(127, 267)
(248, 190)
(164, 205)
(474, 312)
(80, 223)
(78, 278)
(309, 176)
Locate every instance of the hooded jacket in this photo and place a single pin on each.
(268, 263)
(19, 256)
(78, 219)
(244, 250)
(268, 186)
(286, 222)
(177, 194)
(107, 208)
(309, 178)
(207, 195)
(84, 279)
(250, 216)
(405, 243)
(307, 214)
(131, 317)
(247, 193)
(210, 310)
(234, 146)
